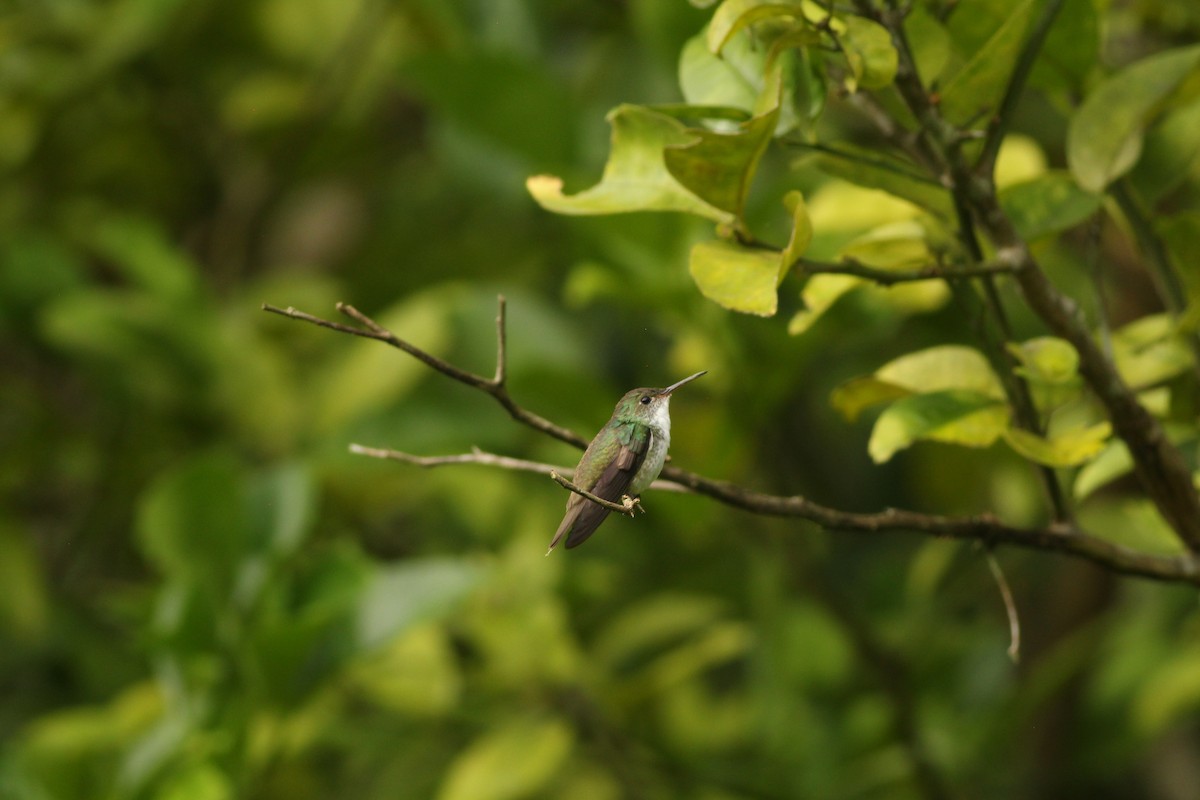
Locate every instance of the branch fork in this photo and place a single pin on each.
(1060, 536)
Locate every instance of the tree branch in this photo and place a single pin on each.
(494, 387)
(628, 505)
(1160, 466)
(888, 277)
(984, 527)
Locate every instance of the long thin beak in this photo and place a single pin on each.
(677, 384)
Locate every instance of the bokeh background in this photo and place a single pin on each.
(203, 594)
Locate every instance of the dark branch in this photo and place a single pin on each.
(494, 387)
(983, 528)
(888, 277)
(1159, 465)
(628, 506)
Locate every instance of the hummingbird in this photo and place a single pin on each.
(624, 459)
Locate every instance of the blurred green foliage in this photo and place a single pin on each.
(206, 596)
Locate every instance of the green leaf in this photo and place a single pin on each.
(869, 50)
(1149, 351)
(857, 395)
(513, 761)
(802, 231)
(140, 249)
(1065, 449)
(636, 177)
(873, 170)
(1049, 203)
(1170, 151)
(1181, 234)
(977, 87)
(652, 624)
(819, 294)
(1172, 695)
(377, 376)
(897, 245)
(737, 277)
(1111, 463)
(719, 167)
(192, 522)
(1104, 139)
(942, 368)
(929, 40)
(733, 15)
(1047, 359)
(953, 416)
(1070, 51)
(398, 597)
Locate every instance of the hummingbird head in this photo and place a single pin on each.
(650, 406)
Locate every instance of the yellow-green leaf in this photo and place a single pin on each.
(869, 50)
(737, 277)
(636, 177)
(1066, 449)
(979, 85)
(1047, 359)
(1104, 139)
(516, 760)
(940, 368)
(955, 417)
(857, 395)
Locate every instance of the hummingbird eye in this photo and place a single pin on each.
(645, 399)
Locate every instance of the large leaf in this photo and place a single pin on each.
(873, 170)
(737, 277)
(636, 177)
(1105, 136)
(819, 294)
(941, 368)
(516, 759)
(1110, 463)
(1149, 351)
(977, 87)
(743, 278)
(193, 522)
(1063, 449)
(954, 416)
(870, 53)
(718, 167)
(1050, 203)
(400, 596)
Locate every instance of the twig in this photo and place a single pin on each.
(628, 505)
(494, 387)
(986, 528)
(887, 277)
(1010, 608)
(484, 458)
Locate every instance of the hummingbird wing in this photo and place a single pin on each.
(583, 516)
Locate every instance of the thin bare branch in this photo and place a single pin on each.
(484, 458)
(501, 342)
(887, 277)
(495, 388)
(1010, 608)
(628, 505)
(984, 528)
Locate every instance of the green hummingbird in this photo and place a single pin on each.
(624, 459)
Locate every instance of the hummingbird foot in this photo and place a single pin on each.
(632, 504)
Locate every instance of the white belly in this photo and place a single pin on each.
(656, 450)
